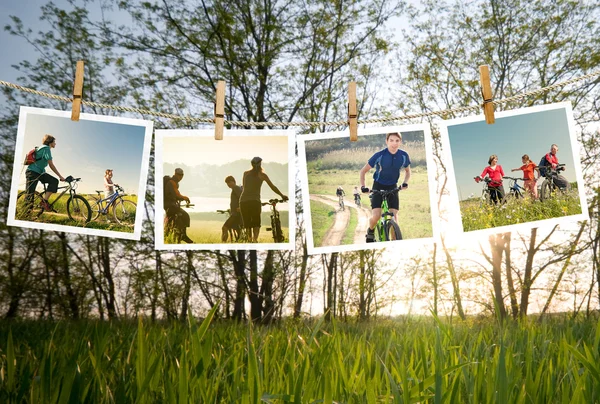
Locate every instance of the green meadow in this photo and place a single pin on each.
(408, 360)
(477, 216)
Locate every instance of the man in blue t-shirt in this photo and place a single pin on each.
(387, 163)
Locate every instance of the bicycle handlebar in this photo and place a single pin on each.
(273, 202)
(224, 211)
(385, 192)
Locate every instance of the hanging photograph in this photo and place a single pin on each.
(87, 176)
(522, 170)
(235, 193)
(364, 194)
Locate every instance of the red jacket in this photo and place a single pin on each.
(552, 160)
(495, 175)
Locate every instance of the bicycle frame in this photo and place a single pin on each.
(111, 199)
(382, 225)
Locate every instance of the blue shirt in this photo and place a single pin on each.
(387, 165)
(43, 155)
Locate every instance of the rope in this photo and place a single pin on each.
(192, 119)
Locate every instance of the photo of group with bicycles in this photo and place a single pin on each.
(88, 200)
(522, 169)
(232, 193)
(385, 177)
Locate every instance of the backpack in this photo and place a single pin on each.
(168, 192)
(543, 166)
(31, 158)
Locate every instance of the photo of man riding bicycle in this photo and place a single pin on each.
(229, 207)
(530, 191)
(388, 164)
(393, 157)
(172, 199)
(60, 179)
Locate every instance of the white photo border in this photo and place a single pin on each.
(18, 162)
(303, 173)
(161, 134)
(451, 184)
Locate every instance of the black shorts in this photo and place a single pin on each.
(250, 213)
(376, 199)
(45, 178)
(234, 221)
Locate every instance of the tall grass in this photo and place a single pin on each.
(356, 158)
(417, 360)
(515, 211)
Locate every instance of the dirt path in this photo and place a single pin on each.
(335, 234)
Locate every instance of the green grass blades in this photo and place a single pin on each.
(413, 360)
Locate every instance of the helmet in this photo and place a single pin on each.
(255, 161)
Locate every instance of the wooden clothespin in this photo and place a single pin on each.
(220, 110)
(77, 91)
(352, 112)
(486, 92)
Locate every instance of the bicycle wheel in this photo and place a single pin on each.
(124, 212)
(546, 191)
(29, 207)
(392, 231)
(509, 197)
(277, 233)
(96, 207)
(79, 209)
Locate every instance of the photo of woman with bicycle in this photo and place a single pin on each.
(383, 162)
(524, 136)
(87, 201)
(229, 207)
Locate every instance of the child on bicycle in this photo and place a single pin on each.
(37, 171)
(387, 163)
(529, 178)
(495, 172)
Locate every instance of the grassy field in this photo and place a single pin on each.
(515, 211)
(205, 228)
(104, 222)
(414, 215)
(322, 216)
(404, 361)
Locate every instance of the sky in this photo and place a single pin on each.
(471, 145)
(86, 149)
(194, 150)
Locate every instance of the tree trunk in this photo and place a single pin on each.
(497, 246)
(170, 313)
(436, 292)
(301, 282)
(225, 285)
(71, 297)
(239, 264)
(514, 305)
(362, 306)
(185, 299)
(455, 283)
(104, 257)
(266, 289)
(526, 288)
(253, 294)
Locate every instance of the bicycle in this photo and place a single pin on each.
(123, 210)
(30, 206)
(357, 200)
(486, 194)
(275, 221)
(549, 188)
(515, 191)
(386, 228)
(171, 231)
(341, 201)
(240, 234)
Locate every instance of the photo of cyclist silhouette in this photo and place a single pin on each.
(526, 179)
(223, 180)
(60, 173)
(377, 171)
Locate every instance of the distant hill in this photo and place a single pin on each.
(209, 180)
